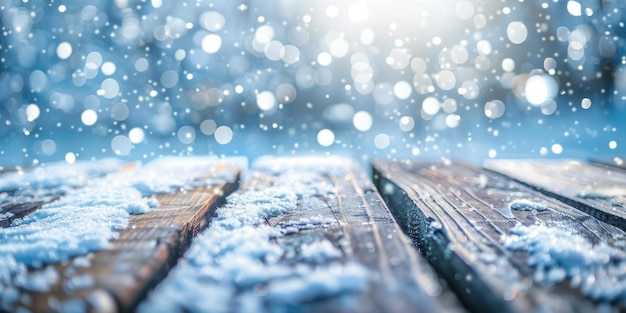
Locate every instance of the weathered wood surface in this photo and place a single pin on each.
(596, 190)
(458, 215)
(356, 221)
(116, 280)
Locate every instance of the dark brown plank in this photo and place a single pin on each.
(116, 280)
(459, 214)
(356, 220)
(595, 190)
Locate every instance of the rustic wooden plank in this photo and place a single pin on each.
(356, 221)
(458, 215)
(14, 210)
(116, 280)
(595, 190)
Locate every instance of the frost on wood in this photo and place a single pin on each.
(236, 265)
(596, 269)
(93, 207)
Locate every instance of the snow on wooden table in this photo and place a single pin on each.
(503, 246)
(24, 191)
(59, 259)
(599, 191)
(305, 235)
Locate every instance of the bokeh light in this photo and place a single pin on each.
(378, 79)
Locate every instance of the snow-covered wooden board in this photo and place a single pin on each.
(117, 278)
(23, 191)
(503, 246)
(303, 235)
(599, 191)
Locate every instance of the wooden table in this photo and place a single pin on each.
(434, 236)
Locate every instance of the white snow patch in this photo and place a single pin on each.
(483, 180)
(39, 281)
(171, 173)
(527, 205)
(91, 212)
(323, 282)
(234, 265)
(435, 225)
(598, 270)
(57, 175)
(72, 305)
(317, 164)
(303, 174)
(44, 183)
(4, 216)
(320, 251)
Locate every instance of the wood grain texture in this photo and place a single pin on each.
(599, 191)
(117, 279)
(357, 222)
(458, 215)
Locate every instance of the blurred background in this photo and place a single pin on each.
(452, 79)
